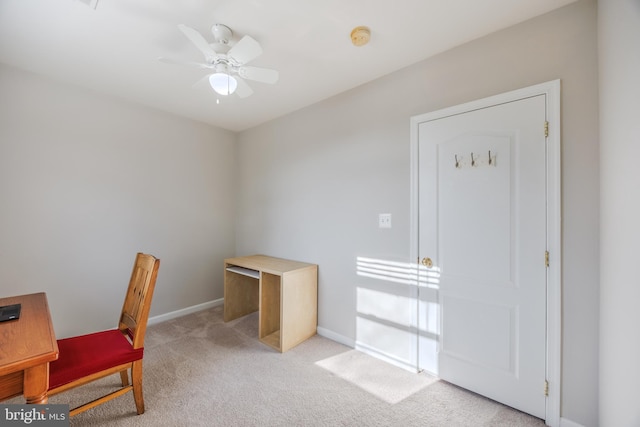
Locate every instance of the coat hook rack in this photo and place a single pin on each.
(477, 161)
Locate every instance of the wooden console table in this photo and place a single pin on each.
(27, 345)
(284, 292)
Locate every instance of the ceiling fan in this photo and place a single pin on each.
(229, 70)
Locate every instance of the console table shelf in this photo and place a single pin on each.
(244, 271)
(284, 292)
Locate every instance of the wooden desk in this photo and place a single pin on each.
(27, 345)
(284, 292)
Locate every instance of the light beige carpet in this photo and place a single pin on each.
(375, 376)
(200, 371)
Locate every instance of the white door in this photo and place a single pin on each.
(482, 223)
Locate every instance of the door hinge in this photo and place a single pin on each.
(546, 258)
(546, 388)
(546, 129)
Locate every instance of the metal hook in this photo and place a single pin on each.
(457, 163)
(489, 157)
(473, 161)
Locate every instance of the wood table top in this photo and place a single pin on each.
(29, 340)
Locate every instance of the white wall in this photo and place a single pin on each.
(87, 181)
(619, 55)
(312, 183)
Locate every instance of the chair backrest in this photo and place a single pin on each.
(137, 303)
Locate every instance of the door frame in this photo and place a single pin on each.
(551, 90)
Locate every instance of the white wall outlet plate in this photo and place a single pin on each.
(384, 220)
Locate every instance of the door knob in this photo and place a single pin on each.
(427, 262)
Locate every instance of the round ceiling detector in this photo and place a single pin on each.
(360, 36)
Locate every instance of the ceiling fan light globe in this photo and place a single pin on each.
(223, 83)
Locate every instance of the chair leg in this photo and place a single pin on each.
(136, 380)
(124, 377)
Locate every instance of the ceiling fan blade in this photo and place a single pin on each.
(245, 50)
(202, 83)
(196, 38)
(243, 90)
(189, 63)
(264, 75)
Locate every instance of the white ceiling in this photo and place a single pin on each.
(114, 48)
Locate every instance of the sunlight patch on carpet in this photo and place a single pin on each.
(383, 380)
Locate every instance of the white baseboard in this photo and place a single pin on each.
(184, 311)
(215, 303)
(327, 333)
(371, 351)
(336, 337)
(568, 423)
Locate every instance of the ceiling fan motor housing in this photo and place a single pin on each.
(221, 33)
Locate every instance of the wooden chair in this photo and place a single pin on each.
(86, 358)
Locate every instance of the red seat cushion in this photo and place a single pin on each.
(87, 354)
